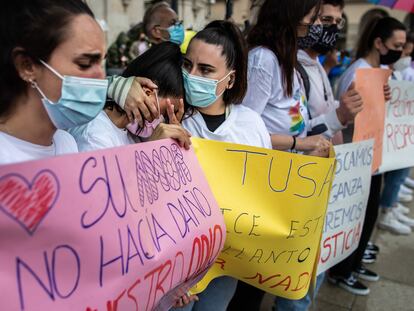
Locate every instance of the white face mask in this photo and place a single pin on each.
(403, 63)
(149, 127)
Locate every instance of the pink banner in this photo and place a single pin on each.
(407, 5)
(130, 228)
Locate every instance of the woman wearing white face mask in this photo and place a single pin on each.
(161, 63)
(215, 79)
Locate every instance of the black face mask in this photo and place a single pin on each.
(328, 39)
(391, 57)
(314, 33)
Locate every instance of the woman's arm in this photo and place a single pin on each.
(313, 145)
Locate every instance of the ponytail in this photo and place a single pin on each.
(382, 28)
(229, 37)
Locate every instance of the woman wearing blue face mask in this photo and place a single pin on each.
(215, 80)
(112, 128)
(50, 76)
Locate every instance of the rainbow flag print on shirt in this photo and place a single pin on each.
(298, 123)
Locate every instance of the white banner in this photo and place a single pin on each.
(347, 203)
(398, 147)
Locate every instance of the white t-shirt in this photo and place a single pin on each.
(265, 95)
(100, 133)
(242, 126)
(321, 102)
(408, 74)
(14, 150)
(349, 76)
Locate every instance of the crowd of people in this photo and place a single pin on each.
(267, 89)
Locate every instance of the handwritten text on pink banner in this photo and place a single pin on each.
(130, 228)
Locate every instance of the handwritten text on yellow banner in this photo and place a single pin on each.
(274, 204)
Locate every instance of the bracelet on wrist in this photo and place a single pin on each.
(293, 144)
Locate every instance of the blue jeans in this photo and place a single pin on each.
(392, 183)
(284, 304)
(216, 296)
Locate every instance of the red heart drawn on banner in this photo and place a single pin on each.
(26, 202)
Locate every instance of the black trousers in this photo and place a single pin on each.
(246, 297)
(349, 264)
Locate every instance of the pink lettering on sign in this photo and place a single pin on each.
(129, 228)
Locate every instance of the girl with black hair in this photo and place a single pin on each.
(161, 63)
(381, 43)
(215, 80)
(405, 63)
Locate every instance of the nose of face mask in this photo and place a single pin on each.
(403, 63)
(176, 34)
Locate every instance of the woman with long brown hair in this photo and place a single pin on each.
(275, 91)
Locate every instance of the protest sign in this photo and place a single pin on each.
(274, 205)
(129, 228)
(398, 146)
(369, 123)
(347, 203)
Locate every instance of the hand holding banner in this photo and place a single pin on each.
(369, 123)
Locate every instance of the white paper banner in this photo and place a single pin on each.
(398, 147)
(347, 203)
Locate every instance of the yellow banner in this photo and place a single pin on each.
(274, 205)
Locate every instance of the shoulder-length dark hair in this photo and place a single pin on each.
(229, 37)
(162, 64)
(276, 29)
(37, 27)
(382, 28)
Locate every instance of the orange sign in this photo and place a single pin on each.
(369, 123)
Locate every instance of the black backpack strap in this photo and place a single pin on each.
(305, 78)
(306, 82)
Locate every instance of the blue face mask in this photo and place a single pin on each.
(81, 100)
(176, 33)
(201, 92)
